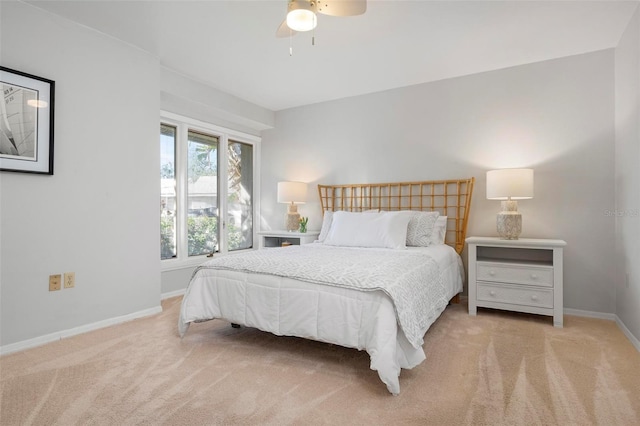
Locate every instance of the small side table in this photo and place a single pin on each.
(284, 238)
(522, 275)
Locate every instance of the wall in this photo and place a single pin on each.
(554, 116)
(627, 178)
(195, 100)
(95, 215)
(174, 281)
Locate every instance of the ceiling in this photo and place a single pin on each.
(231, 45)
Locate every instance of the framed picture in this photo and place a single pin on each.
(26, 123)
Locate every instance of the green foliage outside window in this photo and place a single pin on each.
(202, 235)
(167, 242)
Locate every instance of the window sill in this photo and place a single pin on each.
(191, 262)
(175, 264)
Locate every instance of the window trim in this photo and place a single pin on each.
(183, 125)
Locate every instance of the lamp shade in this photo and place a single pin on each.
(301, 16)
(510, 184)
(292, 192)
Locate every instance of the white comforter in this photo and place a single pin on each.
(379, 300)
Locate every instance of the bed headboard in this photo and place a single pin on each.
(451, 198)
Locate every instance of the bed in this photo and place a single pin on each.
(386, 264)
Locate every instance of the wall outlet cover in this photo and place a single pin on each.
(55, 282)
(69, 279)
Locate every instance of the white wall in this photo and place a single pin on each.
(555, 116)
(627, 177)
(97, 214)
(192, 99)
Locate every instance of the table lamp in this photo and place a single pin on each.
(292, 193)
(509, 185)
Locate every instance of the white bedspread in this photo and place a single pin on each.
(347, 296)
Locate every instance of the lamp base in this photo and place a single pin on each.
(292, 218)
(509, 221)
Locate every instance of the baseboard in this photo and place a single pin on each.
(59, 335)
(171, 294)
(590, 314)
(634, 341)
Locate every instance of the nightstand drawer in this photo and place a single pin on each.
(541, 297)
(515, 274)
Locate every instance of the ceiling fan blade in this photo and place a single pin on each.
(342, 7)
(284, 31)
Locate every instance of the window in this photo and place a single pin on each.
(202, 194)
(240, 195)
(167, 191)
(208, 189)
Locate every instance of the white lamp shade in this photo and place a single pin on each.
(301, 16)
(514, 184)
(292, 192)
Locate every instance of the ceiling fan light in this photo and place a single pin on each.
(301, 19)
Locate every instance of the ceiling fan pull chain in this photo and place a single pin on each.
(313, 34)
(290, 43)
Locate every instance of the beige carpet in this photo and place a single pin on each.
(493, 369)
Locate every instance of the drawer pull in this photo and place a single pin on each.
(534, 297)
(534, 276)
(492, 292)
(492, 272)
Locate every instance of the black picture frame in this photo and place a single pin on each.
(26, 122)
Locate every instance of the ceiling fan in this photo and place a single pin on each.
(301, 14)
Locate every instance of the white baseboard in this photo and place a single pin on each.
(59, 335)
(171, 294)
(633, 339)
(590, 314)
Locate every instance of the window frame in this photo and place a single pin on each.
(183, 125)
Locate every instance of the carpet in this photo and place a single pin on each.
(498, 368)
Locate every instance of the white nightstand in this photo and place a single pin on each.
(280, 238)
(522, 275)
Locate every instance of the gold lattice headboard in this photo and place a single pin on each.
(451, 198)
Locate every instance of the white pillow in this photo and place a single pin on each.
(439, 231)
(420, 228)
(326, 225)
(388, 229)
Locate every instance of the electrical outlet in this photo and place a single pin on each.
(69, 279)
(54, 282)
